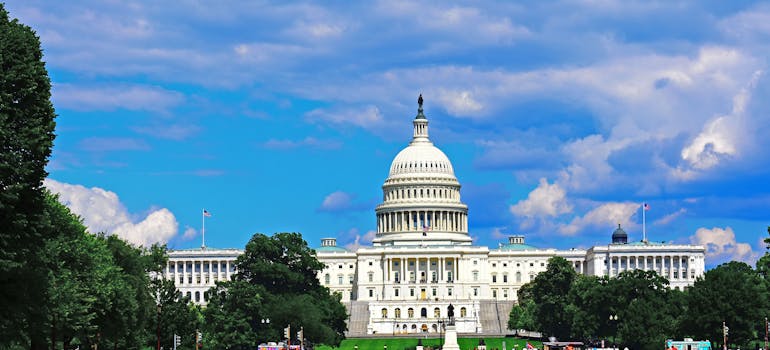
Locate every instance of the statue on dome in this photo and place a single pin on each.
(419, 101)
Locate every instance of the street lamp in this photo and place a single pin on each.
(614, 321)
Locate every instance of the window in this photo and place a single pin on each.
(351, 278)
(518, 276)
(505, 278)
(542, 264)
(410, 312)
(384, 313)
(475, 276)
(494, 278)
(411, 292)
(531, 264)
(494, 265)
(436, 312)
(475, 262)
(339, 266)
(339, 279)
(463, 312)
(433, 292)
(449, 276)
(371, 276)
(395, 291)
(197, 296)
(397, 313)
(424, 312)
(370, 263)
(494, 293)
(351, 266)
(506, 265)
(449, 292)
(505, 293)
(371, 293)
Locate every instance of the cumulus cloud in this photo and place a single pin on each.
(360, 240)
(547, 200)
(721, 245)
(602, 218)
(102, 211)
(340, 201)
(720, 137)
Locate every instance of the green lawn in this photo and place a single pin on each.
(411, 343)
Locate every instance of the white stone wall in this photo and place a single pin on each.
(195, 271)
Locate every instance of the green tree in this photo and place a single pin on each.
(733, 293)
(550, 291)
(645, 310)
(522, 316)
(26, 138)
(276, 276)
(589, 302)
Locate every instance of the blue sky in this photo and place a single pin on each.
(560, 118)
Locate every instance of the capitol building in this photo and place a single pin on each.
(423, 258)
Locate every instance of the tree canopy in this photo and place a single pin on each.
(277, 275)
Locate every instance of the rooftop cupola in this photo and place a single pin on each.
(619, 236)
(420, 124)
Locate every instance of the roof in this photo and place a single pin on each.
(517, 246)
(330, 249)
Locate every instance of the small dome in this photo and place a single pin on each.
(619, 236)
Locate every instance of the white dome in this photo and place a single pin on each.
(422, 159)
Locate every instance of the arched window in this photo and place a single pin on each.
(518, 276)
(424, 312)
(437, 313)
(327, 279)
(197, 296)
(384, 313)
(397, 313)
(463, 312)
(410, 312)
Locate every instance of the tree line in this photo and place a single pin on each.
(638, 309)
(62, 287)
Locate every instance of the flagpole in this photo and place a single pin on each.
(203, 229)
(644, 223)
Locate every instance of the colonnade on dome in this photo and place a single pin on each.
(422, 221)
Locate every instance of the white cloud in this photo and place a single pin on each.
(102, 211)
(337, 201)
(360, 240)
(720, 137)
(309, 141)
(459, 102)
(367, 118)
(547, 200)
(189, 233)
(107, 144)
(721, 245)
(109, 98)
(604, 216)
(177, 132)
(667, 219)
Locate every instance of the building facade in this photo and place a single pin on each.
(422, 258)
(195, 271)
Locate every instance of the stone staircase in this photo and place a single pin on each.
(358, 318)
(494, 316)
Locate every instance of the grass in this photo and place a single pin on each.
(411, 343)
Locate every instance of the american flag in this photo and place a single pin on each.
(206, 213)
(646, 206)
